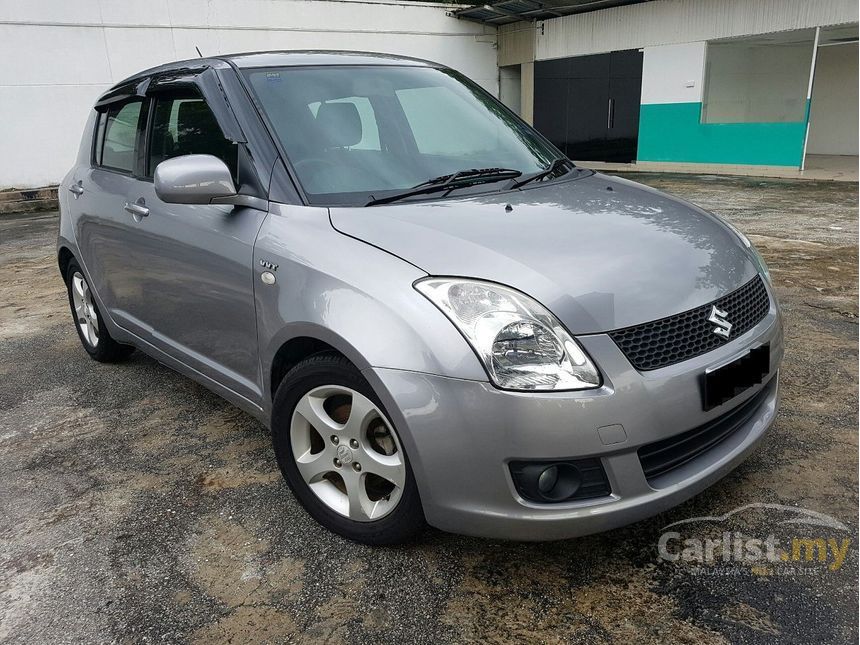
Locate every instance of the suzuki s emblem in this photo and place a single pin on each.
(718, 317)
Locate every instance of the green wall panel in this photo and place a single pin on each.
(673, 132)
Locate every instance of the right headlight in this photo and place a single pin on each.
(522, 345)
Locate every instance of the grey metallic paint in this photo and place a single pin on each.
(600, 252)
(353, 296)
(183, 285)
(193, 179)
(468, 489)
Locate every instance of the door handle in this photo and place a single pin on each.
(136, 209)
(610, 114)
(76, 189)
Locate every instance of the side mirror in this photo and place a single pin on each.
(194, 179)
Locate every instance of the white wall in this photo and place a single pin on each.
(59, 55)
(673, 73)
(664, 22)
(833, 113)
(516, 43)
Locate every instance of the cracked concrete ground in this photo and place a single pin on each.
(138, 507)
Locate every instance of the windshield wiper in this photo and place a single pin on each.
(449, 182)
(553, 167)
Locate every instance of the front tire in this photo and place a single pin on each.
(88, 321)
(341, 455)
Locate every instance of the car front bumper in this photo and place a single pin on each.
(461, 435)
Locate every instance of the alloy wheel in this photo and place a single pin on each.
(86, 316)
(348, 453)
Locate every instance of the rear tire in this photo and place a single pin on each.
(355, 478)
(88, 321)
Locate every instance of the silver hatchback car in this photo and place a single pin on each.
(441, 318)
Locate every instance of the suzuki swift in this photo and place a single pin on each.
(440, 318)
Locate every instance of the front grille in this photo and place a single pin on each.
(674, 339)
(663, 456)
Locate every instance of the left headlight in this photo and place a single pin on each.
(522, 345)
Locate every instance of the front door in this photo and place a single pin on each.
(193, 263)
(588, 106)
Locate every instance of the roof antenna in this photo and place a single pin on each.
(198, 51)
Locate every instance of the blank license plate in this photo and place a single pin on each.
(724, 383)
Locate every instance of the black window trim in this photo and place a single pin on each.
(147, 136)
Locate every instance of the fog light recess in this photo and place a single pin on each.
(559, 481)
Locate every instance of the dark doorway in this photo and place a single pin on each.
(588, 106)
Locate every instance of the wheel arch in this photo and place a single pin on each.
(64, 258)
(296, 343)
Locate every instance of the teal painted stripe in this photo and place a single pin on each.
(673, 132)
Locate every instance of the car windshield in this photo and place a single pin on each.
(355, 134)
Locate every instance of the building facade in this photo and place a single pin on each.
(671, 83)
(660, 83)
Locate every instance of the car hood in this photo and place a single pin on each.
(600, 252)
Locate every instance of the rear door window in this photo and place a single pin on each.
(117, 136)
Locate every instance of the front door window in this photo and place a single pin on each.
(184, 125)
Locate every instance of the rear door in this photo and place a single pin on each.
(105, 230)
(192, 264)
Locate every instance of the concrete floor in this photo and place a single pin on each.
(138, 507)
(832, 167)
